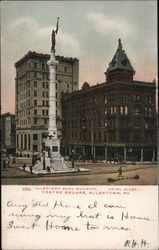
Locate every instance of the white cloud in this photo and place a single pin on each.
(44, 32)
(68, 44)
(40, 37)
(24, 22)
(103, 25)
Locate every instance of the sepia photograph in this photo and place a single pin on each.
(79, 125)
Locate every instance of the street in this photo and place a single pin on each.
(99, 174)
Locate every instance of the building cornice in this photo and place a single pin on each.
(46, 57)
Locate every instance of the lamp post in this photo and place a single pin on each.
(84, 127)
(73, 159)
(130, 150)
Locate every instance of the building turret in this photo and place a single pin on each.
(120, 68)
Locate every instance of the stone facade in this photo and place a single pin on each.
(32, 98)
(112, 120)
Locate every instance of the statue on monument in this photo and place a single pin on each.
(54, 33)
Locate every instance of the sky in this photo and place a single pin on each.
(88, 30)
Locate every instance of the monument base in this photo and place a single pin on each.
(53, 159)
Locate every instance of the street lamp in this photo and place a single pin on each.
(130, 150)
(73, 159)
(84, 127)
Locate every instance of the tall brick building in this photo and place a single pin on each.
(32, 98)
(114, 119)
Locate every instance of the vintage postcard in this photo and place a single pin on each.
(79, 118)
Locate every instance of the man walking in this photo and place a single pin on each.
(120, 172)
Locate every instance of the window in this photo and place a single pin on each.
(35, 93)
(113, 110)
(105, 99)
(47, 85)
(35, 84)
(65, 69)
(35, 147)
(100, 137)
(47, 112)
(105, 111)
(47, 103)
(112, 136)
(45, 121)
(43, 65)
(35, 120)
(148, 99)
(105, 124)
(136, 111)
(43, 103)
(105, 136)
(35, 137)
(148, 111)
(146, 125)
(136, 98)
(35, 65)
(126, 110)
(95, 100)
(35, 74)
(121, 110)
(136, 136)
(47, 94)
(148, 136)
(43, 84)
(123, 97)
(35, 102)
(35, 111)
(136, 122)
(111, 98)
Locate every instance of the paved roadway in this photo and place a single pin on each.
(98, 175)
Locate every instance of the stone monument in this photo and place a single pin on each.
(51, 160)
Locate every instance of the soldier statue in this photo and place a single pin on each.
(54, 33)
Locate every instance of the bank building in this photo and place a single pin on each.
(114, 120)
(32, 98)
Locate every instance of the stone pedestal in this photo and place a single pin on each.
(54, 159)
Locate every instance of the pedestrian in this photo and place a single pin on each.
(33, 160)
(24, 166)
(13, 161)
(31, 169)
(120, 172)
(48, 170)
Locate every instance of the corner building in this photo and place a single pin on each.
(112, 120)
(32, 98)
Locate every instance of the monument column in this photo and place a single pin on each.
(52, 95)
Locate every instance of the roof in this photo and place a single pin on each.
(46, 57)
(104, 85)
(7, 114)
(120, 60)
